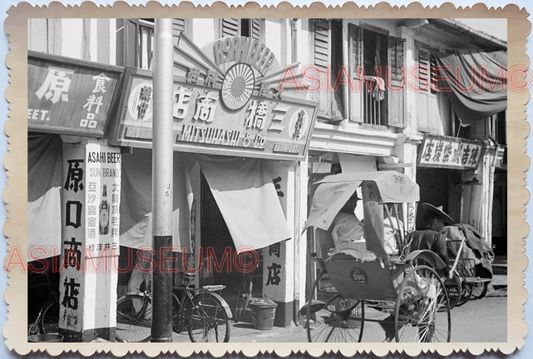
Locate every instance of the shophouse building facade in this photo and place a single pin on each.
(316, 96)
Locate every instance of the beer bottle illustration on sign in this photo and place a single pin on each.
(104, 213)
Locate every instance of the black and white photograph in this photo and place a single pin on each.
(268, 180)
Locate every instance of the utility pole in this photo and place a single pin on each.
(162, 187)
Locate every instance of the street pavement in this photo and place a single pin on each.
(478, 320)
(481, 320)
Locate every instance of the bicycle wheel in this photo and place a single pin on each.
(243, 298)
(422, 308)
(479, 289)
(338, 320)
(50, 321)
(178, 319)
(134, 325)
(207, 319)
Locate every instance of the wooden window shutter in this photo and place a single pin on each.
(255, 30)
(322, 51)
(230, 27)
(178, 26)
(322, 59)
(396, 96)
(127, 54)
(396, 56)
(422, 95)
(423, 72)
(355, 60)
(431, 69)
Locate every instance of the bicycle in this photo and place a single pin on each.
(244, 296)
(205, 314)
(47, 320)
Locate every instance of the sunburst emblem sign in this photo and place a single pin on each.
(238, 86)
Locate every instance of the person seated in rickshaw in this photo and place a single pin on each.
(347, 232)
(431, 237)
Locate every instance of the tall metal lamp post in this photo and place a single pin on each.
(162, 169)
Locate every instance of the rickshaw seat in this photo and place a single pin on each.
(355, 279)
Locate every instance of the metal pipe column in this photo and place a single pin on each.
(162, 169)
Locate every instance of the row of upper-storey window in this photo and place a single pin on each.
(394, 90)
(375, 62)
(378, 79)
(371, 67)
(136, 38)
(125, 42)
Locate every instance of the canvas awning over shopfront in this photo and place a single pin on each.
(247, 199)
(44, 194)
(242, 188)
(136, 201)
(474, 81)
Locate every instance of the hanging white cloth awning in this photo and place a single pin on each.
(247, 199)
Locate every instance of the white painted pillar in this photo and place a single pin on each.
(477, 203)
(278, 259)
(410, 156)
(90, 241)
(300, 258)
(488, 194)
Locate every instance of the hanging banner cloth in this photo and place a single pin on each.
(136, 200)
(44, 194)
(476, 82)
(247, 198)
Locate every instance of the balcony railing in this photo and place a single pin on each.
(373, 89)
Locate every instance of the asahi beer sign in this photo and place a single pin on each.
(450, 152)
(223, 103)
(102, 198)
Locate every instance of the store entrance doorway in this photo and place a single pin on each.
(217, 241)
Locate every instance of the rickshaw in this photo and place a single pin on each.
(470, 280)
(393, 282)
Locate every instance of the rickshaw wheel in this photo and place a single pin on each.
(338, 320)
(479, 289)
(422, 308)
(466, 293)
(454, 290)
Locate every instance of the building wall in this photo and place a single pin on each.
(84, 39)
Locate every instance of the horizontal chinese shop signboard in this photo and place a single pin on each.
(261, 127)
(69, 96)
(450, 152)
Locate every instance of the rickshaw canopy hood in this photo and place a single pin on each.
(335, 190)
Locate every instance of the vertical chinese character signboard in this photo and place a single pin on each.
(71, 287)
(278, 259)
(69, 98)
(91, 193)
(450, 152)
